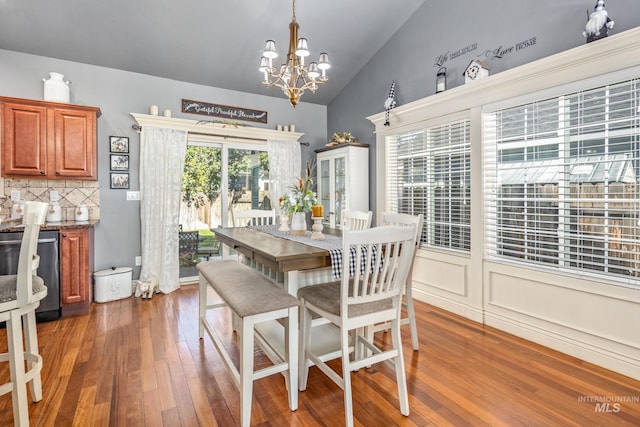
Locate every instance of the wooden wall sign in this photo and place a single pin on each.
(226, 111)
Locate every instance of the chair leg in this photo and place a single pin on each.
(202, 304)
(291, 338)
(401, 378)
(346, 379)
(31, 342)
(16, 369)
(246, 369)
(305, 340)
(412, 316)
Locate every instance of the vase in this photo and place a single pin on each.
(299, 223)
(56, 89)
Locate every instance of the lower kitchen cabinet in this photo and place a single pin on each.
(75, 270)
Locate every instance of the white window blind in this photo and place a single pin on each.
(428, 172)
(561, 181)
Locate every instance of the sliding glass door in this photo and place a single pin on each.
(218, 178)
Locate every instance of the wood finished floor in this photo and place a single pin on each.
(140, 363)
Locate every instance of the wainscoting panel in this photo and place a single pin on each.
(591, 320)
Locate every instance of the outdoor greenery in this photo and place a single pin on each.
(201, 181)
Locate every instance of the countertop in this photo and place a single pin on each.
(64, 225)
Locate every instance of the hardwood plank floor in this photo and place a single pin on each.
(140, 363)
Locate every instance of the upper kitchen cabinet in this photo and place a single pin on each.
(48, 140)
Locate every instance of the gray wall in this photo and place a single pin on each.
(439, 27)
(117, 93)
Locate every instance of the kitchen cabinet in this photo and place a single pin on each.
(48, 140)
(343, 180)
(76, 263)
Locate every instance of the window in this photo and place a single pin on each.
(562, 181)
(428, 172)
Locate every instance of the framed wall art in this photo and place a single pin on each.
(119, 162)
(119, 180)
(119, 144)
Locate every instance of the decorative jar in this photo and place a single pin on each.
(56, 89)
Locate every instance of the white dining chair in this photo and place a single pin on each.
(370, 296)
(415, 221)
(253, 217)
(20, 295)
(356, 220)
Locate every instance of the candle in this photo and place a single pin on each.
(316, 211)
(153, 110)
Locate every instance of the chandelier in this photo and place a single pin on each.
(294, 77)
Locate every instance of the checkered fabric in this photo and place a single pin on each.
(336, 261)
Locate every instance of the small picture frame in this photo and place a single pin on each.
(119, 162)
(119, 144)
(119, 180)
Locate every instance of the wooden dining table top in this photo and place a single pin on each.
(282, 254)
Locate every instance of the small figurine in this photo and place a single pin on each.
(598, 23)
(390, 102)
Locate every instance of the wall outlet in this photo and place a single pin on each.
(138, 261)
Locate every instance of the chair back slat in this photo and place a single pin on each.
(28, 261)
(406, 220)
(356, 220)
(382, 257)
(253, 217)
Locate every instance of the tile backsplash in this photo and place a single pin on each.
(71, 193)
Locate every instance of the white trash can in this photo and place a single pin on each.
(112, 284)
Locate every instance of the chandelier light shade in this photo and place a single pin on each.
(294, 76)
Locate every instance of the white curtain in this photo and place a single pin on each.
(285, 161)
(162, 153)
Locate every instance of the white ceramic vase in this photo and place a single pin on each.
(299, 223)
(56, 89)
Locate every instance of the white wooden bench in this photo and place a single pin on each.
(253, 298)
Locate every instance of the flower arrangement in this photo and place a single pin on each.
(300, 197)
(342, 138)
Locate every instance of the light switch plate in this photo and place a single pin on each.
(133, 195)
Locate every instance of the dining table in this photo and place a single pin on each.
(294, 262)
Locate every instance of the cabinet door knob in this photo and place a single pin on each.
(42, 172)
(64, 234)
(57, 172)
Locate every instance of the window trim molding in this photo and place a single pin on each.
(218, 130)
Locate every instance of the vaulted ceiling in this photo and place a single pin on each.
(209, 42)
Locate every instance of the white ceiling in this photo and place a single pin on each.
(209, 42)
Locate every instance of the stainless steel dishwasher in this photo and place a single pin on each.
(49, 268)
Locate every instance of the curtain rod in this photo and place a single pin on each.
(138, 128)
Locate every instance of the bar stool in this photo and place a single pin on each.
(20, 295)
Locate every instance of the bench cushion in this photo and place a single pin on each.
(246, 291)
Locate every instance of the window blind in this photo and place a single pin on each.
(428, 172)
(561, 182)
